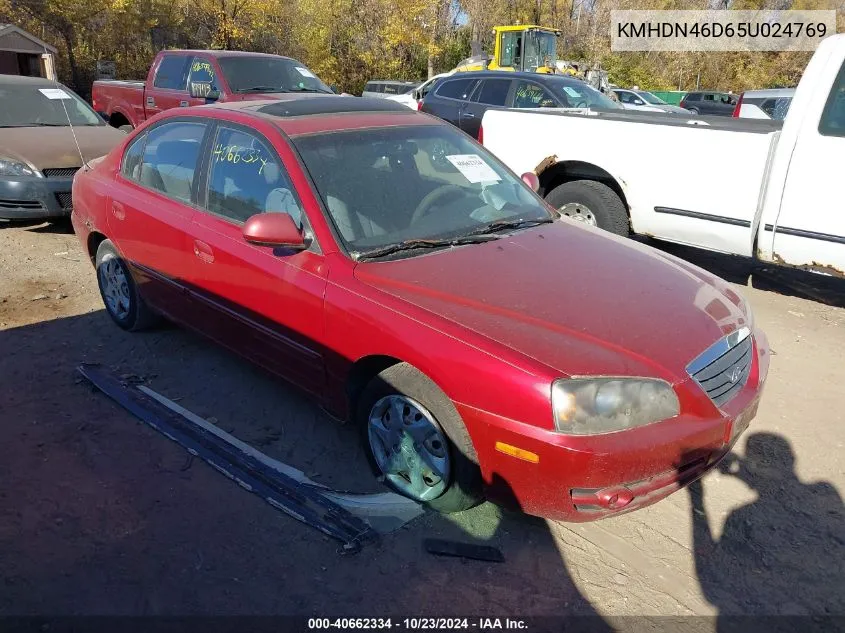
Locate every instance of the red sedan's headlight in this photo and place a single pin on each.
(591, 406)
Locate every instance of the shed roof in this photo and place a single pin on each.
(14, 39)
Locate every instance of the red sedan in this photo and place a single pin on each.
(383, 261)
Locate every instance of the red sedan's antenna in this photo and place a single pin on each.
(67, 115)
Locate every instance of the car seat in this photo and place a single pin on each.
(280, 199)
(337, 184)
(352, 225)
(172, 171)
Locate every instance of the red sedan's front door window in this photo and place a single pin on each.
(265, 302)
(247, 178)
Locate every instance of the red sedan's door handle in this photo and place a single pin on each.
(203, 251)
(118, 210)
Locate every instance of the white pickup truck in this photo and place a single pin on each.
(746, 187)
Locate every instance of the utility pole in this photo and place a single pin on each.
(433, 41)
(578, 20)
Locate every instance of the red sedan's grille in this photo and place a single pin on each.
(723, 369)
(60, 172)
(65, 200)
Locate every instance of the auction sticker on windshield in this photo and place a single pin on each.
(473, 168)
(54, 93)
(305, 72)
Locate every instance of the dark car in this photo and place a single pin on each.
(712, 103)
(39, 153)
(462, 99)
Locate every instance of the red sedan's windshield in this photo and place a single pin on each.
(388, 185)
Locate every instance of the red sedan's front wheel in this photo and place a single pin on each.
(409, 447)
(416, 441)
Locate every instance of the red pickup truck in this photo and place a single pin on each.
(182, 78)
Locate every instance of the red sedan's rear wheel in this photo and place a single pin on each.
(416, 441)
(120, 294)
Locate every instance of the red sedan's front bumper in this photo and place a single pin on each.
(584, 478)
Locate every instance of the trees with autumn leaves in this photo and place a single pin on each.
(347, 42)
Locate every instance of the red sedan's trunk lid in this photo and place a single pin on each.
(576, 299)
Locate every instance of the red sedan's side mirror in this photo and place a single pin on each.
(530, 179)
(274, 229)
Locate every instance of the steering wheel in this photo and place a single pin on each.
(431, 199)
(582, 104)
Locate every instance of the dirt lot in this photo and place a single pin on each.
(101, 515)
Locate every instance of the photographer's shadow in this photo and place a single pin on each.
(532, 580)
(782, 554)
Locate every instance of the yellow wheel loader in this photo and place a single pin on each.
(519, 47)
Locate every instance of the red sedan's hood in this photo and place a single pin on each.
(577, 299)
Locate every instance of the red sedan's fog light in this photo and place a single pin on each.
(611, 498)
(614, 498)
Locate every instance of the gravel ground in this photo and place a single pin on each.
(101, 515)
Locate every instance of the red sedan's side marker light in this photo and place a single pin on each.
(519, 453)
(726, 436)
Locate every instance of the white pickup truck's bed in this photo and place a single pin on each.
(671, 171)
(732, 185)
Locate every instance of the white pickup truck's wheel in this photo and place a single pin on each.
(579, 212)
(591, 202)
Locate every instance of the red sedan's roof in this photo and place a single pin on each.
(351, 121)
(311, 113)
(221, 53)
